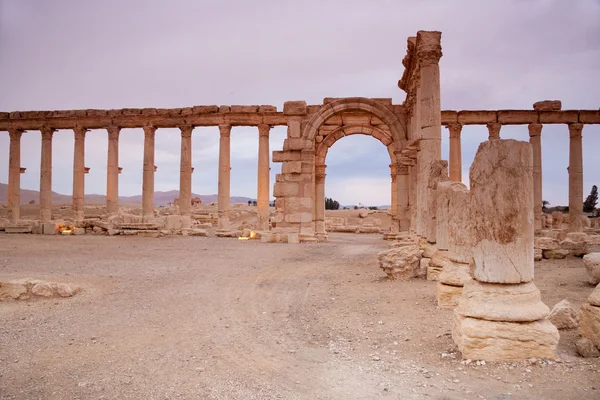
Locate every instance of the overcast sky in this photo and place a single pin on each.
(115, 53)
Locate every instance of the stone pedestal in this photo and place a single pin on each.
(224, 179)
(46, 175)
(79, 174)
(148, 177)
(112, 171)
(263, 211)
(500, 315)
(14, 176)
(185, 173)
(535, 138)
(575, 178)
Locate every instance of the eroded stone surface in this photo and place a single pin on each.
(400, 262)
(591, 262)
(563, 315)
(594, 298)
(589, 323)
(585, 348)
(502, 211)
(479, 339)
(515, 303)
(455, 274)
(447, 296)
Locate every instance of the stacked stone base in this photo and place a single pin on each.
(451, 278)
(480, 339)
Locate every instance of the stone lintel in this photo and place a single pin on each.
(589, 117)
(294, 108)
(559, 117)
(468, 117)
(449, 117)
(512, 117)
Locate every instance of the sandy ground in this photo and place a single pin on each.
(191, 317)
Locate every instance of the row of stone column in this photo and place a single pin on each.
(112, 186)
(535, 131)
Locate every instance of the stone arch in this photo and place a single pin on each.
(384, 137)
(356, 104)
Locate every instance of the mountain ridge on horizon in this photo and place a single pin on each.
(160, 198)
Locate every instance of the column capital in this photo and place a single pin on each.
(15, 134)
(535, 129)
(79, 132)
(494, 130)
(149, 131)
(429, 49)
(113, 132)
(225, 130)
(575, 130)
(320, 169)
(455, 130)
(186, 131)
(47, 132)
(264, 129)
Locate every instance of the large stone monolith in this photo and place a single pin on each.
(500, 315)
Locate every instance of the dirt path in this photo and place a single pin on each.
(226, 319)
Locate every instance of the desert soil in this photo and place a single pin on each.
(191, 317)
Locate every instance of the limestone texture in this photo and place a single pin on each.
(545, 243)
(447, 296)
(564, 315)
(594, 298)
(501, 341)
(400, 262)
(585, 348)
(577, 249)
(589, 323)
(502, 211)
(509, 303)
(591, 262)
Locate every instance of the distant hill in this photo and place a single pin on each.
(160, 198)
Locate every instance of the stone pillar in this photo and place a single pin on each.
(429, 52)
(262, 197)
(500, 315)
(148, 177)
(575, 178)
(185, 173)
(46, 175)
(494, 131)
(79, 174)
(14, 176)
(394, 207)
(224, 178)
(320, 201)
(403, 183)
(535, 131)
(455, 152)
(112, 171)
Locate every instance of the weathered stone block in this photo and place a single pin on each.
(591, 263)
(478, 339)
(589, 323)
(509, 117)
(476, 117)
(292, 167)
(547, 105)
(449, 117)
(589, 117)
(49, 228)
(447, 296)
(294, 108)
(244, 109)
(563, 315)
(285, 189)
(559, 117)
(281, 156)
(400, 262)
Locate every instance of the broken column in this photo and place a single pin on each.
(224, 178)
(148, 175)
(535, 138)
(14, 176)
(575, 178)
(79, 174)
(500, 315)
(454, 240)
(455, 152)
(112, 170)
(46, 175)
(262, 197)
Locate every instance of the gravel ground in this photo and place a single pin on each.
(190, 317)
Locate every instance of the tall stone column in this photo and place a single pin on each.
(79, 174)
(263, 177)
(535, 132)
(403, 183)
(224, 178)
(494, 131)
(14, 176)
(429, 52)
(394, 207)
(148, 177)
(575, 178)
(185, 174)
(320, 201)
(112, 171)
(455, 152)
(46, 175)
